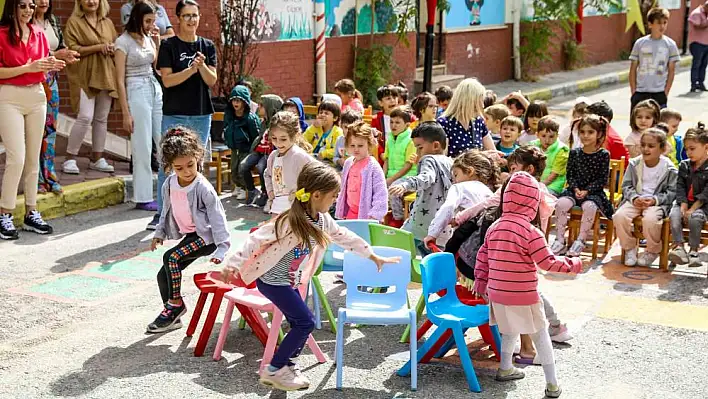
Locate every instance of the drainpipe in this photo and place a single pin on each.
(516, 36)
(320, 49)
(579, 25)
(684, 46)
(429, 40)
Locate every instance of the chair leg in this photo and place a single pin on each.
(466, 360)
(413, 354)
(272, 338)
(609, 236)
(208, 323)
(486, 332)
(241, 323)
(197, 313)
(406, 369)
(325, 303)
(435, 349)
(218, 176)
(225, 326)
(419, 307)
(339, 348)
(316, 307)
(666, 235)
(424, 328)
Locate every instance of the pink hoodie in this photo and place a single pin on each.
(513, 248)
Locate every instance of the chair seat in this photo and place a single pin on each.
(250, 297)
(369, 314)
(219, 147)
(468, 316)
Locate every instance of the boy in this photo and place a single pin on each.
(443, 95)
(294, 105)
(397, 158)
(493, 116)
(613, 142)
(431, 184)
(402, 93)
(517, 103)
(556, 154)
(388, 100)
(674, 143)
(654, 59)
(241, 128)
(324, 137)
(511, 128)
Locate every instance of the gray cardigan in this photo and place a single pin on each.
(665, 191)
(207, 213)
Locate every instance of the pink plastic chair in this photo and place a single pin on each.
(252, 298)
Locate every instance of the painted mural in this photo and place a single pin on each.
(285, 19)
(466, 13)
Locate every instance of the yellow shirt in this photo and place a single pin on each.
(313, 134)
(671, 149)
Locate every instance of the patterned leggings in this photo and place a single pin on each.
(563, 207)
(176, 259)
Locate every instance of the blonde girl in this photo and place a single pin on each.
(425, 107)
(645, 115)
(282, 255)
(364, 192)
(463, 119)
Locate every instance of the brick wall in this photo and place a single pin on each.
(490, 60)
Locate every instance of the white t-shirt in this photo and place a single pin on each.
(281, 202)
(651, 176)
(387, 124)
(527, 137)
(460, 196)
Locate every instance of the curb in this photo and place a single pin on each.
(585, 85)
(80, 197)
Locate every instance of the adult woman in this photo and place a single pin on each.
(187, 64)
(162, 21)
(140, 97)
(92, 80)
(698, 39)
(463, 119)
(48, 23)
(24, 60)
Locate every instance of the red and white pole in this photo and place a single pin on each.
(320, 48)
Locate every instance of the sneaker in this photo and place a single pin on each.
(71, 167)
(267, 206)
(553, 391)
(7, 227)
(251, 197)
(647, 259)
(558, 247)
(678, 256)
(630, 257)
(147, 206)
(101, 165)
(298, 373)
(694, 260)
(284, 379)
(577, 248)
(339, 278)
(559, 333)
(34, 222)
(509, 375)
(154, 222)
(239, 193)
(261, 201)
(168, 319)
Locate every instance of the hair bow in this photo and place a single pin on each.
(302, 196)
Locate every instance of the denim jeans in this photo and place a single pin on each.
(259, 161)
(145, 103)
(699, 64)
(201, 124)
(695, 226)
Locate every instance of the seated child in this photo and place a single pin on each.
(493, 116)
(241, 128)
(294, 105)
(613, 142)
(490, 98)
(553, 176)
(351, 98)
(425, 107)
(399, 158)
(511, 127)
(431, 184)
(324, 137)
(691, 206)
(444, 95)
(648, 190)
(535, 111)
(674, 143)
(388, 100)
(364, 194)
(340, 150)
(402, 93)
(516, 102)
(645, 115)
(579, 110)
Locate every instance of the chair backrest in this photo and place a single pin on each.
(360, 273)
(387, 236)
(218, 116)
(310, 110)
(615, 182)
(359, 227)
(438, 273)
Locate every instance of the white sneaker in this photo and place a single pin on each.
(647, 259)
(101, 165)
(679, 256)
(558, 247)
(577, 248)
(268, 206)
(694, 260)
(71, 167)
(630, 257)
(239, 193)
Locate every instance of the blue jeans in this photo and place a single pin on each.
(254, 160)
(201, 124)
(699, 64)
(145, 103)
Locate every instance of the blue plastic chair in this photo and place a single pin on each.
(365, 306)
(448, 313)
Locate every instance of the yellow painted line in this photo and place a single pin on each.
(652, 311)
(541, 94)
(588, 84)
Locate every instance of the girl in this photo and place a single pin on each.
(425, 107)
(351, 98)
(506, 274)
(649, 189)
(340, 154)
(282, 255)
(587, 174)
(645, 115)
(463, 120)
(191, 211)
(475, 175)
(568, 135)
(285, 162)
(364, 191)
(534, 113)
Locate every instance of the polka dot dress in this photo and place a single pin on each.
(589, 172)
(461, 139)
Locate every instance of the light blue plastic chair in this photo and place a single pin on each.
(448, 313)
(366, 306)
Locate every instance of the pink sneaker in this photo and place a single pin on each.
(559, 333)
(284, 379)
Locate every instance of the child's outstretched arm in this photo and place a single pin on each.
(425, 179)
(254, 242)
(545, 259)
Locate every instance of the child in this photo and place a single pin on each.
(613, 143)
(261, 148)
(364, 192)
(425, 107)
(579, 110)
(294, 105)
(443, 94)
(431, 184)
(511, 127)
(674, 143)
(284, 163)
(340, 152)
(553, 176)
(241, 129)
(402, 93)
(281, 257)
(399, 147)
(324, 137)
(648, 190)
(388, 100)
(654, 59)
(645, 115)
(351, 98)
(587, 175)
(535, 111)
(517, 103)
(490, 98)
(493, 116)
(192, 211)
(691, 205)
(506, 273)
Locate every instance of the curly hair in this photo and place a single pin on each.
(529, 155)
(180, 141)
(481, 165)
(362, 130)
(290, 124)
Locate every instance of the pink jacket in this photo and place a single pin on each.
(262, 250)
(698, 27)
(513, 248)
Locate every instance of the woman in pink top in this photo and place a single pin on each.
(698, 39)
(506, 273)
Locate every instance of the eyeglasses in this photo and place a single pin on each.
(190, 17)
(23, 6)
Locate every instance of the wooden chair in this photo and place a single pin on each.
(220, 158)
(408, 199)
(665, 240)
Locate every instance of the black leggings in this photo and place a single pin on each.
(462, 234)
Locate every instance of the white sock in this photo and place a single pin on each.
(507, 350)
(550, 371)
(506, 361)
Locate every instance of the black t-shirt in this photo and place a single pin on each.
(193, 96)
